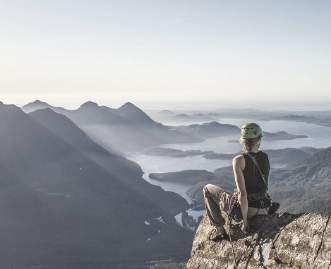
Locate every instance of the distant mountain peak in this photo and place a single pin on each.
(89, 104)
(212, 123)
(37, 103)
(132, 112)
(129, 105)
(12, 109)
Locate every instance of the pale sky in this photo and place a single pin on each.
(167, 53)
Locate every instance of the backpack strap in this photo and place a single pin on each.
(258, 168)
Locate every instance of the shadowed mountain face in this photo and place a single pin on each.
(59, 208)
(127, 128)
(129, 172)
(64, 128)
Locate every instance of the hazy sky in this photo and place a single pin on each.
(173, 53)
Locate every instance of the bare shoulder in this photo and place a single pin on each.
(238, 160)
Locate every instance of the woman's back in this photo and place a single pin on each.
(253, 179)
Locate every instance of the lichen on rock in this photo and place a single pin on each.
(277, 241)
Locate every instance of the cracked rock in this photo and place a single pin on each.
(278, 241)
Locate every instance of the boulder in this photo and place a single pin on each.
(277, 241)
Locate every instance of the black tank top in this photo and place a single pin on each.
(253, 179)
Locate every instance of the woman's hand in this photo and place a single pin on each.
(245, 227)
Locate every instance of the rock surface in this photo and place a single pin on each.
(279, 241)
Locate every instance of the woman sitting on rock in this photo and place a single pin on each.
(251, 171)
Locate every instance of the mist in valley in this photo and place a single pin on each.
(115, 114)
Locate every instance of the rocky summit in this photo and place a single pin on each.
(278, 241)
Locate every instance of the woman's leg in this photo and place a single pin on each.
(215, 199)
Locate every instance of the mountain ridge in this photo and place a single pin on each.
(127, 128)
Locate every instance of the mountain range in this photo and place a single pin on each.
(319, 117)
(126, 128)
(66, 202)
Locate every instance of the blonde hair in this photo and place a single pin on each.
(249, 143)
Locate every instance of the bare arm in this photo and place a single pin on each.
(238, 164)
